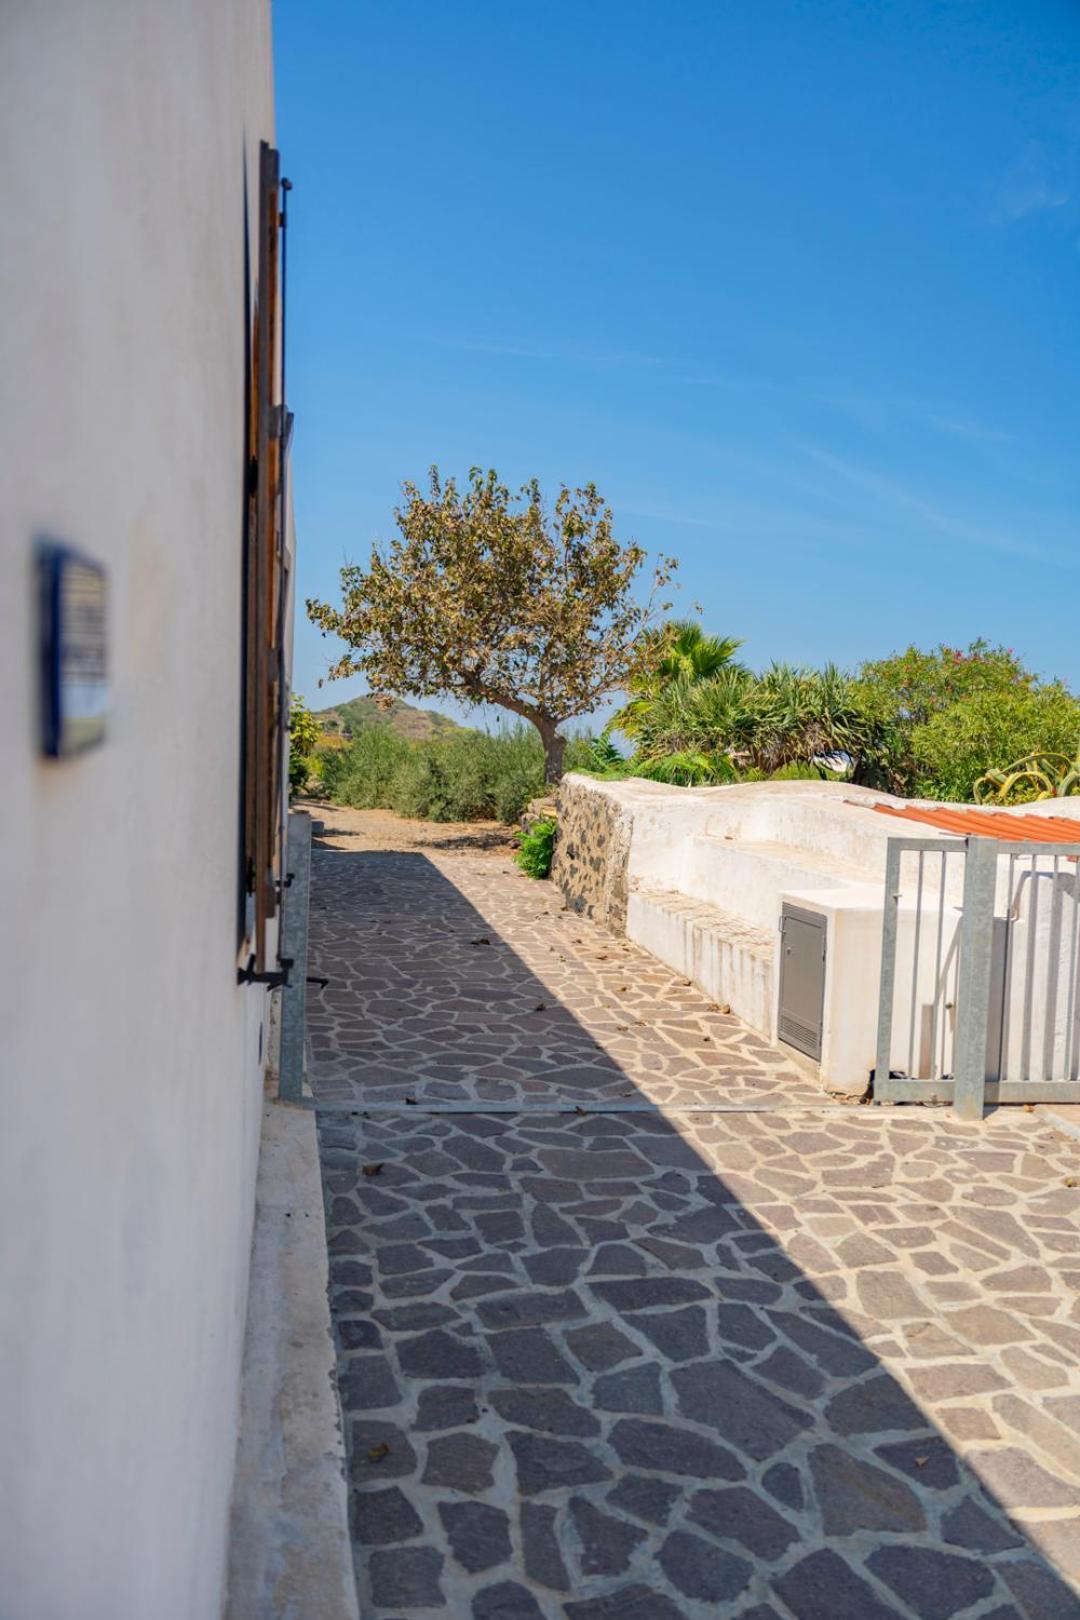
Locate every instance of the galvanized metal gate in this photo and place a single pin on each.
(979, 963)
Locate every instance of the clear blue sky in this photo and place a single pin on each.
(795, 282)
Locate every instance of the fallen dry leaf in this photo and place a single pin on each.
(372, 1169)
(377, 1453)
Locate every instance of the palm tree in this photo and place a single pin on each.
(711, 715)
(679, 655)
(695, 715)
(688, 653)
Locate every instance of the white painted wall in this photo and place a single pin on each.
(129, 1056)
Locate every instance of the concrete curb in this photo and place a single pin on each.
(290, 1555)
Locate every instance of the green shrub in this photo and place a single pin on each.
(304, 734)
(466, 776)
(987, 731)
(364, 774)
(450, 779)
(537, 848)
(514, 762)
(687, 768)
(419, 788)
(603, 754)
(596, 756)
(799, 771)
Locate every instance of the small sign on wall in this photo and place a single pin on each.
(74, 651)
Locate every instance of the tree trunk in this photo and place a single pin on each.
(554, 749)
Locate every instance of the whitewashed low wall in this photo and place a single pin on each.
(732, 963)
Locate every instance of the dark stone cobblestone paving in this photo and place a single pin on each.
(806, 1363)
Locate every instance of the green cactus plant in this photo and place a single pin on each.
(1036, 776)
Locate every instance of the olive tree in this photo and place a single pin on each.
(493, 598)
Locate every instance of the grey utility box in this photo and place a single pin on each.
(802, 979)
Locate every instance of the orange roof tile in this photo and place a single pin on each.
(989, 823)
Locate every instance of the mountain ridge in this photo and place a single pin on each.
(360, 713)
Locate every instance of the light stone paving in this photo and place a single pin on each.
(472, 984)
(811, 1362)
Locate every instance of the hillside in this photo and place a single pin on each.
(346, 719)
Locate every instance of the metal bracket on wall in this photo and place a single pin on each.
(274, 978)
(281, 424)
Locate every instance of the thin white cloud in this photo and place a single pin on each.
(738, 524)
(873, 409)
(877, 410)
(891, 493)
(1034, 183)
(880, 409)
(562, 353)
(962, 427)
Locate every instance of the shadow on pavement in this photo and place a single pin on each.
(615, 1366)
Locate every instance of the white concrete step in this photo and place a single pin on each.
(727, 957)
(747, 879)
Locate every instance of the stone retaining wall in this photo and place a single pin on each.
(592, 850)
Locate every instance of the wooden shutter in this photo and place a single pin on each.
(265, 684)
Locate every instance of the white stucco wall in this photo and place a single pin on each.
(129, 1056)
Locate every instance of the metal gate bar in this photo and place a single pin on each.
(884, 1080)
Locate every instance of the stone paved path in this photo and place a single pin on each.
(608, 1361)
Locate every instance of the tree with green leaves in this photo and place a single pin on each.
(988, 731)
(304, 735)
(492, 598)
(944, 715)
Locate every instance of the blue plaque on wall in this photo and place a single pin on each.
(74, 647)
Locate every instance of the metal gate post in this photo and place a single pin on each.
(973, 981)
(887, 989)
